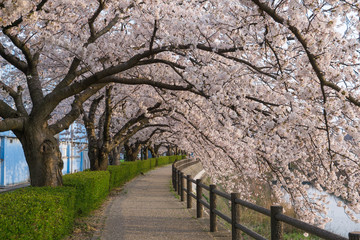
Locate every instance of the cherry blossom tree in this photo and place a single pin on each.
(53, 51)
(110, 130)
(280, 107)
(262, 90)
(142, 141)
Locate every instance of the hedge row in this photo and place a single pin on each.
(37, 213)
(48, 213)
(128, 170)
(92, 187)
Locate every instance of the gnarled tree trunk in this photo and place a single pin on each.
(42, 154)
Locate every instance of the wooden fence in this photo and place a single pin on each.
(275, 212)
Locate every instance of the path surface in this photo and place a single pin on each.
(146, 209)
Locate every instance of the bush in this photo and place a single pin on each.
(146, 165)
(91, 189)
(48, 213)
(163, 160)
(153, 162)
(37, 213)
(128, 170)
(118, 175)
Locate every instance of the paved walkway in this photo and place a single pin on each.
(13, 187)
(146, 209)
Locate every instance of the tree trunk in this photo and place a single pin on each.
(153, 153)
(99, 159)
(97, 146)
(43, 155)
(146, 153)
(103, 161)
(132, 155)
(141, 153)
(169, 151)
(132, 151)
(115, 156)
(156, 149)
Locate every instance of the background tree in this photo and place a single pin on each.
(106, 132)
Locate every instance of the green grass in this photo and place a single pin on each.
(172, 190)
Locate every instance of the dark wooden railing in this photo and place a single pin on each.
(275, 212)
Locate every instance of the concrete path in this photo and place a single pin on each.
(13, 187)
(146, 209)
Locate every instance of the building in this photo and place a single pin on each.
(14, 169)
(13, 166)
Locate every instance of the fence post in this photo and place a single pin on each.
(175, 180)
(182, 186)
(179, 182)
(199, 207)
(172, 174)
(189, 191)
(276, 226)
(235, 217)
(354, 236)
(213, 227)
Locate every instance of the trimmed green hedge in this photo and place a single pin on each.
(128, 170)
(48, 213)
(92, 187)
(169, 159)
(37, 213)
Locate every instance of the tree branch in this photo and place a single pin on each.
(262, 102)
(13, 60)
(264, 7)
(96, 35)
(153, 36)
(11, 124)
(6, 111)
(108, 113)
(71, 74)
(152, 61)
(145, 81)
(252, 66)
(19, 44)
(75, 111)
(107, 75)
(17, 97)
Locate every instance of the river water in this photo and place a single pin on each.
(341, 224)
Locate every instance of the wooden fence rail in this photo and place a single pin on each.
(275, 212)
